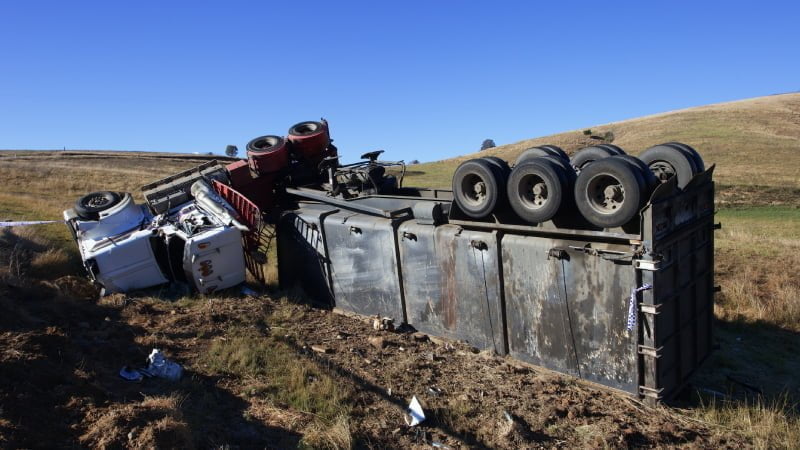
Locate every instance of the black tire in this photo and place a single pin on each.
(537, 152)
(91, 205)
(530, 153)
(614, 148)
(586, 156)
(265, 144)
(650, 180)
(666, 161)
(567, 172)
(637, 172)
(607, 193)
(306, 128)
(699, 164)
(557, 150)
(476, 190)
(535, 189)
(501, 164)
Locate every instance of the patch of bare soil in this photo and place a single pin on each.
(746, 195)
(59, 385)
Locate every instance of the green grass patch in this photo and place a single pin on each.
(764, 231)
(281, 375)
(761, 214)
(14, 208)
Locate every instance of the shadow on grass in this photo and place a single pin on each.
(59, 383)
(332, 368)
(754, 368)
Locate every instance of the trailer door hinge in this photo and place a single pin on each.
(650, 351)
(479, 245)
(558, 253)
(410, 236)
(647, 264)
(646, 391)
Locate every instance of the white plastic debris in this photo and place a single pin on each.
(415, 414)
(162, 367)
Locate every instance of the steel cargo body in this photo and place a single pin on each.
(451, 282)
(631, 310)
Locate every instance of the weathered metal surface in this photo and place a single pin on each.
(365, 276)
(302, 252)
(567, 308)
(451, 280)
(677, 314)
(174, 190)
(556, 297)
(545, 229)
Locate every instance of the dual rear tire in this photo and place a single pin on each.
(603, 183)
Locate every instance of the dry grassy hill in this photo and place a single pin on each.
(255, 380)
(754, 142)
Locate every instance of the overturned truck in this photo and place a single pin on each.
(599, 266)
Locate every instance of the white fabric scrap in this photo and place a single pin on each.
(415, 413)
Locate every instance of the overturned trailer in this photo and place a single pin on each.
(629, 307)
(598, 265)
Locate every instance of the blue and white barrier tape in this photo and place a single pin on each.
(632, 305)
(27, 222)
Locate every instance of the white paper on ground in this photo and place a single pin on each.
(415, 412)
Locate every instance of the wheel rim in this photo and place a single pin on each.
(96, 201)
(662, 170)
(533, 192)
(266, 144)
(306, 128)
(606, 194)
(474, 189)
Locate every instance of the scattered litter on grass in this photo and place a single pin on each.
(158, 366)
(162, 367)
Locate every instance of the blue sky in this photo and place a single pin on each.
(422, 80)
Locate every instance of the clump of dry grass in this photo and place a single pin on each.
(336, 435)
(770, 424)
(155, 422)
(755, 249)
(762, 294)
(25, 253)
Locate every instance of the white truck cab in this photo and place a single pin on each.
(126, 246)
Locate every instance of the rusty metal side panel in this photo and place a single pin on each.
(536, 310)
(451, 279)
(598, 289)
(567, 309)
(364, 271)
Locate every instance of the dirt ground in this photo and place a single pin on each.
(61, 349)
